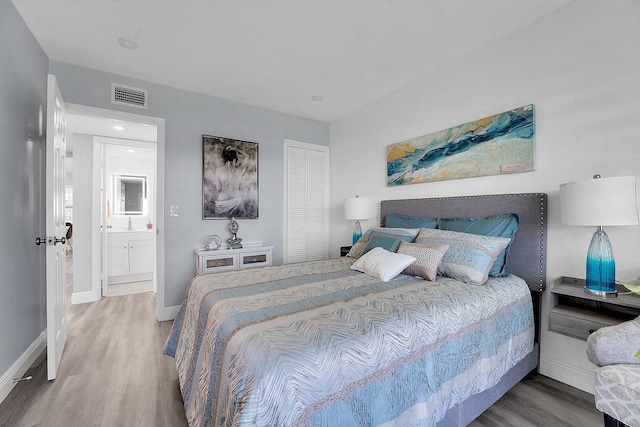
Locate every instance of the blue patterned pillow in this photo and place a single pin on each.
(389, 243)
(469, 257)
(503, 225)
(406, 234)
(401, 221)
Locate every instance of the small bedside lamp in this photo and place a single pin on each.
(599, 202)
(357, 208)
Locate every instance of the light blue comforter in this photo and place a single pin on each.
(318, 344)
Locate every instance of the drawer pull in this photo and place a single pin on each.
(253, 259)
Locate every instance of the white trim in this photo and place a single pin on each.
(171, 313)
(84, 297)
(20, 367)
(567, 373)
(159, 270)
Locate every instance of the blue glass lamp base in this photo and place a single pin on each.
(357, 232)
(603, 294)
(601, 266)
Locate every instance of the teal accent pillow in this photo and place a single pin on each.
(401, 221)
(503, 225)
(389, 242)
(405, 233)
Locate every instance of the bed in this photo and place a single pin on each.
(321, 344)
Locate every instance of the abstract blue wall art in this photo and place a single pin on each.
(499, 144)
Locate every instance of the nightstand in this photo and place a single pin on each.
(344, 250)
(215, 261)
(575, 313)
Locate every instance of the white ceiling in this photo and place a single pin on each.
(276, 54)
(113, 128)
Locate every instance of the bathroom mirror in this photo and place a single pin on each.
(130, 194)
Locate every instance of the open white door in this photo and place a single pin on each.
(55, 227)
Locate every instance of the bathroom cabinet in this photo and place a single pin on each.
(130, 256)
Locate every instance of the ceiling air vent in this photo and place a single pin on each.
(128, 96)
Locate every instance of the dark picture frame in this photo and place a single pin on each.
(229, 178)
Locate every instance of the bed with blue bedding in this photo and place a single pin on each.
(321, 344)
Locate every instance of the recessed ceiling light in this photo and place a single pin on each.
(130, 150)
(127, 43)
(118, 128)
(316, 98)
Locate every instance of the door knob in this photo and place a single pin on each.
(53, 240)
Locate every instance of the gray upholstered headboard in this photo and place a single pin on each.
(527, 256)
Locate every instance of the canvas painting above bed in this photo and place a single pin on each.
(498, 144)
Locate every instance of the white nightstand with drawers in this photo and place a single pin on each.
(214, 261)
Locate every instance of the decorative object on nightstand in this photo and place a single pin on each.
(212, 242)
(234, 241)
(599, 202)
(357, 208)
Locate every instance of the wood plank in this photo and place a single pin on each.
(541, 401)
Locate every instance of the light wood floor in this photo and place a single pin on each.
(113, 373)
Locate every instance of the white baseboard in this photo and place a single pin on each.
(84, 297)
(18, 369)
(170, 313)
(572, 375)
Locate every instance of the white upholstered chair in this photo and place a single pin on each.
(617, 380)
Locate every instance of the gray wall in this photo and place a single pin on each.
(187, 117)
(23, 82)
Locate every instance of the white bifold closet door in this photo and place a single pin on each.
(307, 202)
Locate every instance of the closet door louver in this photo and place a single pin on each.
(296, 205)
(315, 206)
(306, 204)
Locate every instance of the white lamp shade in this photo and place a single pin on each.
(357, 208)
(600, 202)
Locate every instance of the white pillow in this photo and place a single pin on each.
(382, 264)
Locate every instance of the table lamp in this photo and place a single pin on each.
(357, 208)
(599, 202)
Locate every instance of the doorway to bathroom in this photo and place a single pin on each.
(88, 206)
(127, 208)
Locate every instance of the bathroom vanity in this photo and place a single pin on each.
(130, 256)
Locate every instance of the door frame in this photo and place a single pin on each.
(100, 145)
(159, 122)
